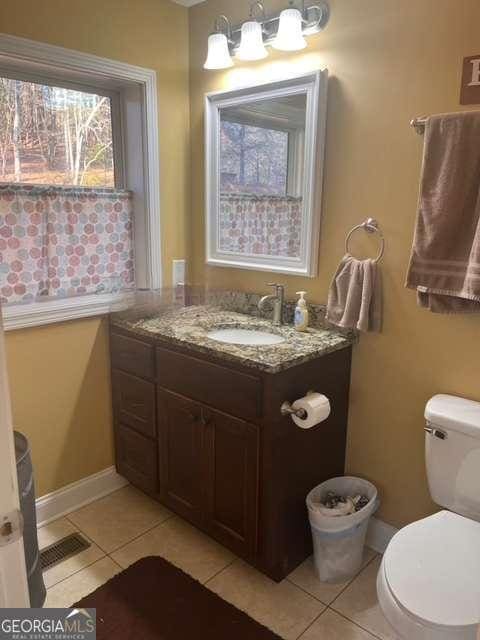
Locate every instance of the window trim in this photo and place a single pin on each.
(35, 314)
(137, 91)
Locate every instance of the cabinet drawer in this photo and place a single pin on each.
(134, 402)
(231, 391)
(133, 356)
(136, 458)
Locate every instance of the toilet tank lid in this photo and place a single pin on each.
(454, 413)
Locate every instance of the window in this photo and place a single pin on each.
(64, 229)
(67, 199)
(254, 160)
(54, 135)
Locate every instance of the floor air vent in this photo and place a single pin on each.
(62, 549)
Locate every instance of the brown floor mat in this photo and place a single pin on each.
(153, 600)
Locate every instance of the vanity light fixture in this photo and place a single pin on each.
(251, 38)
(290, 31)
(218, 56)
(284, 30)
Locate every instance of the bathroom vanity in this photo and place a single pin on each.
(198, 426)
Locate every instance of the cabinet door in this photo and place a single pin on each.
(232, 452)
(180, 455)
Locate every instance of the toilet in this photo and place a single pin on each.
(428, 584)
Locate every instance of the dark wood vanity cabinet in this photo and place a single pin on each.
(206, 438)
(180, 439)
(232, 457)
(209, 469)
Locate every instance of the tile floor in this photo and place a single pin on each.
(127, 525)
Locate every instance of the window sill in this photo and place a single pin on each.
(40, 313)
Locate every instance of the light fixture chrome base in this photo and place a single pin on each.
(315, 19)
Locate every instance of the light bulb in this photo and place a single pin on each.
(218, 53)
(290, 35)
(251, 42)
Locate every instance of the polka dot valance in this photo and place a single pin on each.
(58, 242)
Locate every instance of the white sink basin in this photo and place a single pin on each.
(245, 336)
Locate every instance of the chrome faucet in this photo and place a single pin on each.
(277, 299)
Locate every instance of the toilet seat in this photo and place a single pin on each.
(429, 585)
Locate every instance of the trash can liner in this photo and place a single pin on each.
(344, 533)
(338, 541)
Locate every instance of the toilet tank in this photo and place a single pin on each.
(453, 453)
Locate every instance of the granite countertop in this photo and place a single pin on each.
(189, 326)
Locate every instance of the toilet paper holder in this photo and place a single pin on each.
(287, 410)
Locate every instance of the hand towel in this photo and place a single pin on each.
(445, 262)
(355, 296)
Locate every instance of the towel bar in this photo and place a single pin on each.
(370, 225)
(419, 125)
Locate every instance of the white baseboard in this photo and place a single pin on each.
(76, 495)
(379, 535)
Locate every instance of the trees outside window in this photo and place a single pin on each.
(254, 160)
(56, 136)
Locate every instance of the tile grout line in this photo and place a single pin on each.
(353, 580)
(287, 579)
(235, 559)
(328, 606)
(313, 621)
(108, 554)
(340, 592)
(90, 564)
(77, 530)
(345, 617)
(117, 563)
(374, 635)
(126, 543)
(159, 524)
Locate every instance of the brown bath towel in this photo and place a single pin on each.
(445, 262)
(355, 296)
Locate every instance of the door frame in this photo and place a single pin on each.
(13, 573)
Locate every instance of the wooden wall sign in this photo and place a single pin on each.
(470, 92)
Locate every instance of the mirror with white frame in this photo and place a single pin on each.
(264, 164)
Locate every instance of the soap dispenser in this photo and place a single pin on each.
(301, 312)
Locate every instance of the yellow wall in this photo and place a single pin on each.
(60, 374)
(389, 60)
(60, 388)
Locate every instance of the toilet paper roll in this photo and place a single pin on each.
(317, 407)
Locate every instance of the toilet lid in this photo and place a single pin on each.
(433, 569)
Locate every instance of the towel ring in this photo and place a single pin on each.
(370, 226)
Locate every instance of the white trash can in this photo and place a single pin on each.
(338, 541)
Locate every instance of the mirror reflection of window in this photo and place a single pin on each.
(261, 176)
(254, 160)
